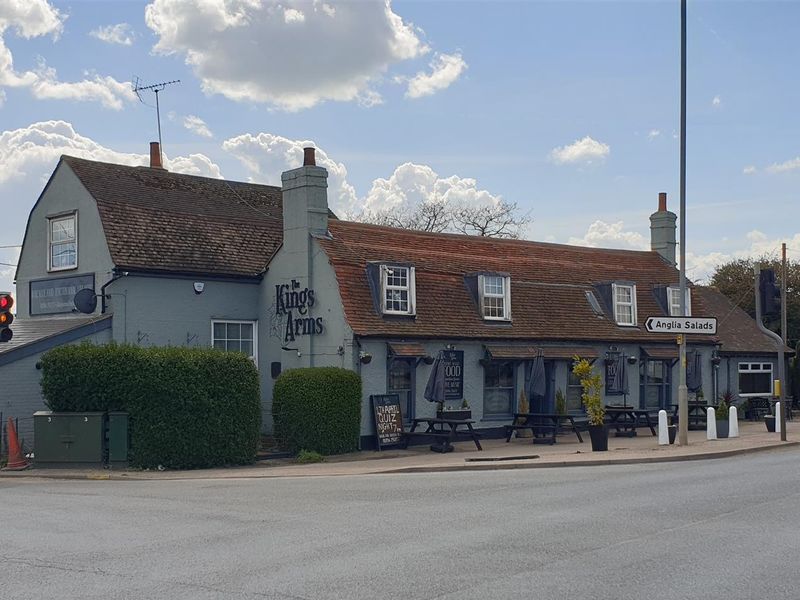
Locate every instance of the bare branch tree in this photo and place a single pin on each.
(501, 220)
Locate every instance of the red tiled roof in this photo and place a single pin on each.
(548, 285)
(155, 220)
(406, 349)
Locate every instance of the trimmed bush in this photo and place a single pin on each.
(317, 409)
(189, 408)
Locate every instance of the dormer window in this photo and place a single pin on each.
(674, 299)
(62, 252)
(495, 296)
(397, 290)
(624, 303)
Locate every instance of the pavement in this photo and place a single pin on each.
(519, 453)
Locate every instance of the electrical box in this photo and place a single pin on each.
(69, 439)
(117, 438)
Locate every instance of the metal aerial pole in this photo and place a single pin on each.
(683, 392)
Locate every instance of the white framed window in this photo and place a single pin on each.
(624, 303)
(62, 242)
(755, 379)
(495, 294)
(398, 295)
(236, 336)
(674, 300)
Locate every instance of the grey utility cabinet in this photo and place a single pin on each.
(64, 439)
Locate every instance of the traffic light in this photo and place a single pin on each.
(770, 294)
(6, 318)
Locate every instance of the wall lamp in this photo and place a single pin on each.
(428, 359)
(364, 357)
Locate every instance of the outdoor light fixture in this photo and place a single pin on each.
(365, 357)
(632, 360)
(428, 359)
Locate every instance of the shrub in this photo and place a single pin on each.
(561, 402)
(317, 408)
(722, 411)
(309, 456)
(188, 408)
(592, 385)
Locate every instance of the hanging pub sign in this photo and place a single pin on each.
(294, 304)
(388, 420)
(452, 361)
(615, 375)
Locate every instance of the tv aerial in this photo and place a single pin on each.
(156, 87)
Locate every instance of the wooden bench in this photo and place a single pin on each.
(542, 434)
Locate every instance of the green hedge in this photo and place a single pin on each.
(317, 409)
(189, 408)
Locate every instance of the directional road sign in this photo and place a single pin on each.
(700, 325)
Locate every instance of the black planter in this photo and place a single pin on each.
(599, 437)
(672, 430)
(722, 428)
(455, 415)
(770, 421)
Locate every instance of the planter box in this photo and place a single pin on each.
(722, 428)
(672, 431)
(770, 421)
(455, 415)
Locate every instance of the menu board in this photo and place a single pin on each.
(388, 419)
(452, 362)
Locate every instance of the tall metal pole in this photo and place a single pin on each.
(784, 285)
(683, 392)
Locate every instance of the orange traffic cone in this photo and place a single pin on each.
(16, 462)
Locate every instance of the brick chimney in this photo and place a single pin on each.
(155, 156)
(662, 230)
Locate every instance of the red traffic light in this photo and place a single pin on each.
(6, 302)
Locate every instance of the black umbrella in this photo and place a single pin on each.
(619, 383)
(434, 390)
(694, 372)
(537, 383)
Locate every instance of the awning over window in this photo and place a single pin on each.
(661, 352)
(410, 350)
(530, 352)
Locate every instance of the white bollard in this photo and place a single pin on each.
(663, 434)
(777, 417)
(711, 424)
(733, 427)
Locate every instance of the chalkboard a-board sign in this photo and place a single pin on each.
(453, 365)
(388, 419)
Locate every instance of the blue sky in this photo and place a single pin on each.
(569, 109)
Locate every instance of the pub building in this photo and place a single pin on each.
(270, 271)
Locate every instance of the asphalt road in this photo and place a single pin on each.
(724, 529)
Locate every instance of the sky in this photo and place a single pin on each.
(569, 109)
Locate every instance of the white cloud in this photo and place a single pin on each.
(266, 156)
(445, 69)
(121, 33)
(584, 150)
(35, 18)
(611, 235)
(749, 170)
(265, 52)
(717, 101)
(789, 165)
(197, 125)
(411, 185)
(653, 134)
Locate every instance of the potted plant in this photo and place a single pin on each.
(769, 420)
(721, 415)
(592, 384)
(464, 413)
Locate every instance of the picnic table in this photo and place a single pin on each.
(625, 420)
(544, 426)
(444, 431)
(697, 414)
